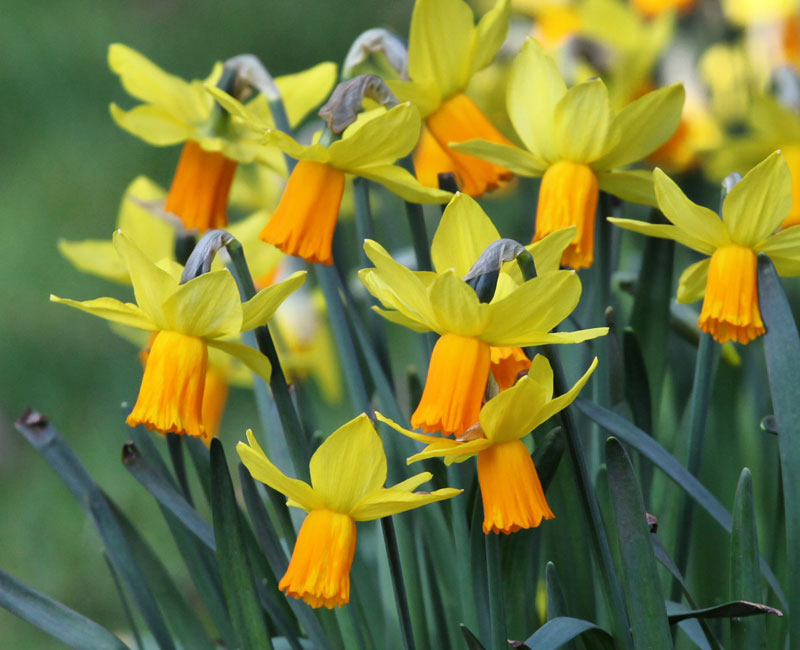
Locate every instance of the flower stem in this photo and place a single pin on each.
(419, 233)
(497, 612)
(393, 553)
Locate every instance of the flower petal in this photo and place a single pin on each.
(456, 307)
(391, 501)
(95, 256)
(207, 306)
(699, 222)
(783, 248)
(635, 186)
(490, 34)
(262, 469)
(349, 464)
(402, 183)
(303, 91)
(759, 203)
(692, 284)
(582, 122)
(664, 231)
(287, 144)
(399, 318)
(111, 309)
(534, 81)
(463, 234)
(250, 357)
(259, 308)
(512, 158)
(644, 125)
(153, 124)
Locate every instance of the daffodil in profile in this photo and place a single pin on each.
(577, 144)
(512, 494)
(348, 472)
(727, 282)
(445, 49)
(520, 313)
(305, 219)
(187, 319)
(177, 111)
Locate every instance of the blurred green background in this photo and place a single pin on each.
(63, 168)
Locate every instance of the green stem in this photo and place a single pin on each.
(591, 509)
(419, 233)
(497, 612)
(704, 371)
(176, 456)
(278, 111)
(293, 430)
(393, 554)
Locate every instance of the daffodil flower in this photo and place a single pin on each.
(519, 315)
(445, 50)
(176, 111)
(188, 318)
(512, 494)
(348, 471)
(304, 222)
(728, 281)
(575, 142)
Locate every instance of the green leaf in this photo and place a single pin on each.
(237, 579)
(644, 599)
(735, 609)
(59, 621)
(659, 456)
(745, 573)
(782, 352)
(554, 634)
(547, 456)
(637, 385)
(471, 639)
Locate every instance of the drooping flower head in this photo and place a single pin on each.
(445, 49)
(305, 220)
(520, 313)
(187, 318)
(728, 281)
(512, 494)
(177, 111)
(348, 471)
(576, 142)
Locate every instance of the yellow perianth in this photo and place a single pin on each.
(457, 374)
(792, 154)
(200, 188)
(306, 217)
(507, 363)
(651, 8)
(568, 197)
(171, 395)
(215, 396)
(457, 120)
(730, 307)
(319, 571)
(512, 494)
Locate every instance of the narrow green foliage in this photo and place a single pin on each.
(735, 609)
(644, 598)
(471, 639)
(554, 634)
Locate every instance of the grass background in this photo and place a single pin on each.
(63, 168)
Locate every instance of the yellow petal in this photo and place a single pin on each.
(664, 231)
(144, 80)
(644, 125)
(262, 469)
(699, 222)
(95, 256)
(547, 252)
(390, 501)
(534, 81)
(413, 482)
(634, 186)
(513, 158)
(692, 284)
(260, 307)
(287, 144)
(303, 91)
(783, 248)
(419, 437)
(250, 357)
(463, 234)
(111, 309)
(425, 95)
(456, 306)
(379, 141)
(379, 288)
(759, 203)
(154, 236)
(399, 318)
(207, 306)
(349, 464)
(402, 183)
(440, 44)
(151, 285)
(582, 122)
(452, 451)
(153, 124)
(250, 115)
(490, 34)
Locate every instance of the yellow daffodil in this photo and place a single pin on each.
(445, 49)
(512, 494)
(652, 8)
(176, 111)
(304, 222)
(348, 471)
(188, 318)
(728, 282)
(752, 12)
(576, 142)
(772, 127)
(520, 314)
